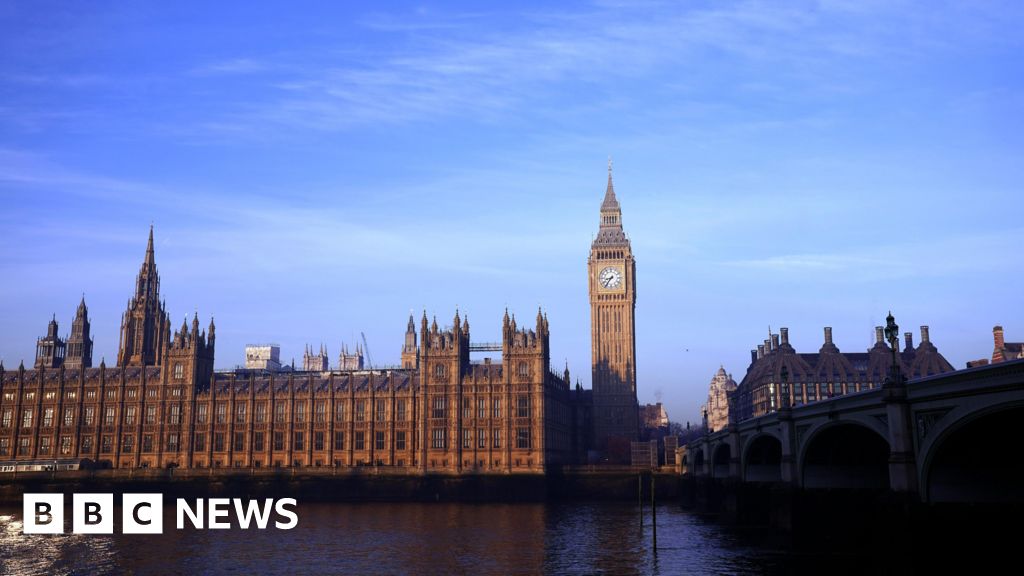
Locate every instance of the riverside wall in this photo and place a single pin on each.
(351, 485)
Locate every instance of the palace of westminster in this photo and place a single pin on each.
(163, 405)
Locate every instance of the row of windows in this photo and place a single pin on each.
(440, 370)
(764, 399)
(439, 407)
(439, 410)
(299, 411)
(220, 415)
(91, 394)
(438, 441)
(172, 444)
(439, 437)
(89, 416)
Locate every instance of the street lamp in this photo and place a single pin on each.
(892, 334)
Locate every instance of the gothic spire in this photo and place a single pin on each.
(150, 258)
(610, 231)
(610, 202)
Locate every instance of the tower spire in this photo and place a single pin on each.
(611, 213)
(150, 258)
(610, 201)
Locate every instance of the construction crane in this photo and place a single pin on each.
(366, 348)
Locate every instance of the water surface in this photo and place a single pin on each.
(407, 538)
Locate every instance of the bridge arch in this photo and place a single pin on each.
(974, 456)
(845, 454)
(762, 458)
(698, 461)
(720, 460)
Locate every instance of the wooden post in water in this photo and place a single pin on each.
(640, 497)
(654, 516)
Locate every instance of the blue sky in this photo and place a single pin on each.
(316, 170)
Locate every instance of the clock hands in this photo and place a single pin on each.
(609, 278)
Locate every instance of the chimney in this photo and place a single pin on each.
(924, 334)
(753, 356)
(909, 337)
(997, 335)
(775, 341)
(767, 346)
(785, 335)
(878, 335)
(760, 351)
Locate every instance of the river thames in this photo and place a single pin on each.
(410, 538)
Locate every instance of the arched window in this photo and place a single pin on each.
(439, 370)
(524, 369)
(179, 370)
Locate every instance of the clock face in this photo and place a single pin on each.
(610, 278)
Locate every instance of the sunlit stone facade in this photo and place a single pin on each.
(163, 405)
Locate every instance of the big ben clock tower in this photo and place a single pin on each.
(611, 273)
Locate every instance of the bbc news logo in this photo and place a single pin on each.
(144, 513)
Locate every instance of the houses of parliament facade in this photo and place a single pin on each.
(164, 405)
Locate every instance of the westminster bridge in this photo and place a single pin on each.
(954, 437)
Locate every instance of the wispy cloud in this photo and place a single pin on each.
(29, 173)
(59, 80)
(447, 69)
(234, 66)
(210, 227)
(803, 263)
(427, 65)
(953, 255)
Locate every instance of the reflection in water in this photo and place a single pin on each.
(572, 538)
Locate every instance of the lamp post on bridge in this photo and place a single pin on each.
(902, 463)
(892, 334)
(789, 448)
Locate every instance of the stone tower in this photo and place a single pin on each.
(79, 345)
(410, 351)
(611, 274)
(188, 356)
(314, 360)
(350, 360)
(444, 359)
(50, 348)
(145, 328)
(526, 359)
(717, 408)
